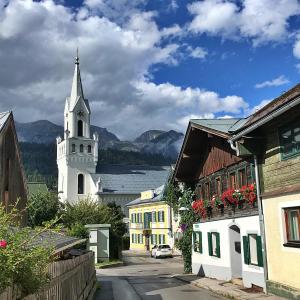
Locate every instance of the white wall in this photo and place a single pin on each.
(220, 268)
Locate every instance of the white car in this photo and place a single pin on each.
(161, 251)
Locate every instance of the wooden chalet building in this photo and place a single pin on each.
(276, 128)
(12, 178)
(227, 238)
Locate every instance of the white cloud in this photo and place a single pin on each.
(259, 20)
(197, 52)
(38, 41)
(281, 80)
(213, 17)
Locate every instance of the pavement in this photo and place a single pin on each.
(143, 277)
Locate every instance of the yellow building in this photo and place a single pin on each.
(150, 221)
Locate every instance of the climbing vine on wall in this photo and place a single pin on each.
(182, 197)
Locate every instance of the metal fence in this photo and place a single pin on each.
(72, 279)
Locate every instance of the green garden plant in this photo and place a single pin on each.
(23, 265)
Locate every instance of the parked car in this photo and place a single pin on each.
(161, 251)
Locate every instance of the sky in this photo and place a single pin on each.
(147, 64)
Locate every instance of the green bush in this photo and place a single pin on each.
(43, 207)
(22, 265)
(87, 211)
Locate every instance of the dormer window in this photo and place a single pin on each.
(81, 148)
(80, 128)
(73, 148)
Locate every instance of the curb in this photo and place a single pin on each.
(216, 292)
(120, 264)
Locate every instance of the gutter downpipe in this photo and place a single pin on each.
(261, 220)
(260, 210)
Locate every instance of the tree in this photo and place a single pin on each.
(87, 211)
(43, 207)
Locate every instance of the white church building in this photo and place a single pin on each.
(77, 158)
(77, 153)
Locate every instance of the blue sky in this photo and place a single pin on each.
(148, 64)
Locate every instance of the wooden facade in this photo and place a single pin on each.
(208, 163)
(13, 191)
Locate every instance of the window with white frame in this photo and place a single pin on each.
(154, 216)
(253, 249)
(161, 216)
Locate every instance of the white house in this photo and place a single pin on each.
(227, 239)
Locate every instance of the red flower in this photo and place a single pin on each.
(252, 197)
(3, 244)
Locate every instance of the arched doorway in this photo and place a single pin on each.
(235, 251)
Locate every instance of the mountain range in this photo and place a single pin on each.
(165, 143)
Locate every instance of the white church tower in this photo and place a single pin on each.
(77, 153)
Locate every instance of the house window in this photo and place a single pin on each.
(139, 218)
(292, 225)
(161, 216)
(81, 148)
(242, 177)
(197, 237)
(232, 180)
(214, 244)
(89, 149)
(161, 238)
(253, 250)
(79, 128)
(154, 239)
(289, 137)
(154, 216)
(218, 186)
(73, 148)
(80, 184)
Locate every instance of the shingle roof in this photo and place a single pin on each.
(3, 118)
(126, 179)
(158, 196)
(55, 240)
(278, 102)
(222, 125)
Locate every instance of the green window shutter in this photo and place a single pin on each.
(162, 216)
(218, 244)
(194, 241)
(164, 239)
(259, 251)
(246, 250)
(155, 216)
(210, 252)
(159, 216)
(200, 242)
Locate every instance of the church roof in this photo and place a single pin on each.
(3, 118)
(77, 90)
(128, 179)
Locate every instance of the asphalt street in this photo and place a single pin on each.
(147, 278)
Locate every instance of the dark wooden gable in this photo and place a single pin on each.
(202, 154)
(12, 179)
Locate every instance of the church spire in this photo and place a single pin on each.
(76, 84)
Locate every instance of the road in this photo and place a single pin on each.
(147, 278)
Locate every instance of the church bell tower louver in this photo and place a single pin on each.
(77, 152)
